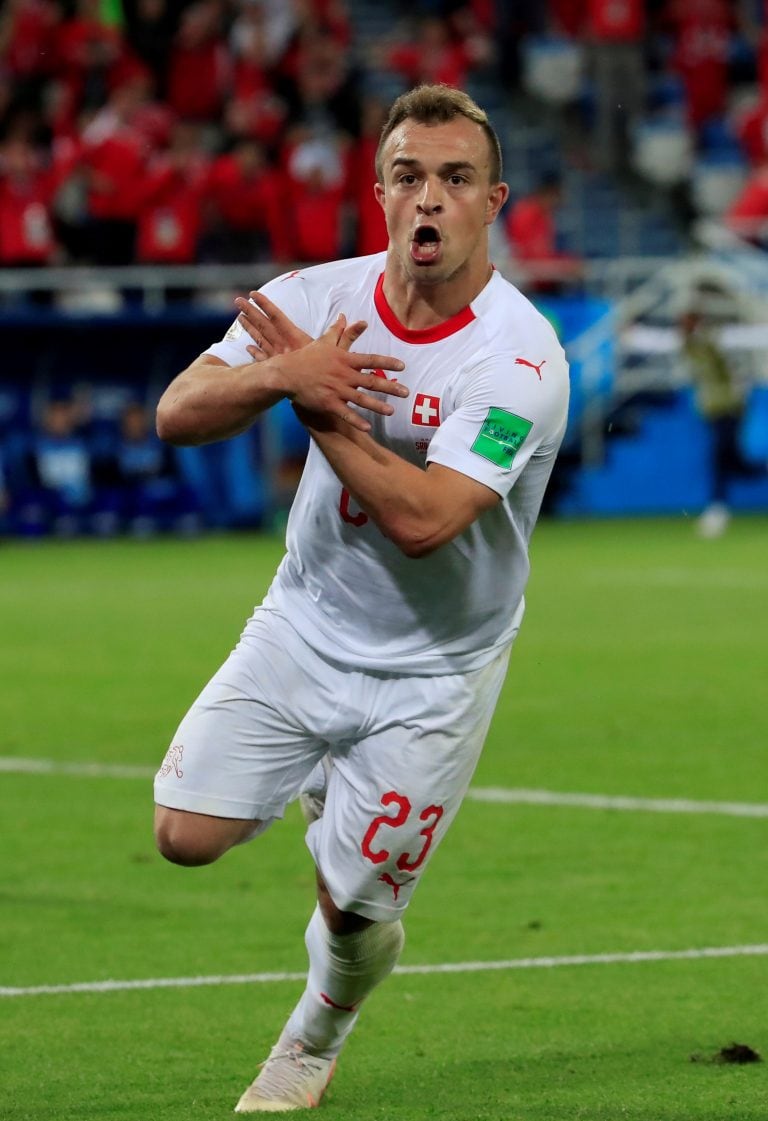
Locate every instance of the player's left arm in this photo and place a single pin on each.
(506, 414)
(418, 509)
(431, 506)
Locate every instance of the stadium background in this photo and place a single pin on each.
(590, 941)
(158, 157)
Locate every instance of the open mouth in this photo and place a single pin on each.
(425, 246)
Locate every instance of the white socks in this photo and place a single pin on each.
(343, 970)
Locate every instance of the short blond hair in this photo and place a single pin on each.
(437, 105)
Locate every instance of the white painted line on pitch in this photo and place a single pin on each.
(631, 958)
(16, 765)
(495, 794)
(720, 578)
(616, 802)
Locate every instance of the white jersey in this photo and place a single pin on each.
(489, 399)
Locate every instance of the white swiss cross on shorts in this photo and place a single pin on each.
(426, 411)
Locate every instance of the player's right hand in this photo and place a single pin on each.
(321, 375)
(273, 332)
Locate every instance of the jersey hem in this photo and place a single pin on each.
(215, 806)
(227, 352)
(459, 464)
(393, 665)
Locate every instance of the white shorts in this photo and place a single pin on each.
(404, 750)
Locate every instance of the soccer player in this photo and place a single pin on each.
(383, 641)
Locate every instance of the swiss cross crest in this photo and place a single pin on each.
(426, 411)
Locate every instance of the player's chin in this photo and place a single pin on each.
(429, 272)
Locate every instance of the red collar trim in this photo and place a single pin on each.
(429, 334)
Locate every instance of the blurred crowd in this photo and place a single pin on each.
(86, 460)
(235, 131)
(63, 477)
(166, 131)
(675, 91)
(177, 131)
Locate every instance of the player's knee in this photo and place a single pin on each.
(190, 839)
(338, 922)
(181, 846)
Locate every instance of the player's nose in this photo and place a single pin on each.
(430, 198)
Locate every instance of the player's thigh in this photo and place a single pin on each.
(393, 795)
(245, 746)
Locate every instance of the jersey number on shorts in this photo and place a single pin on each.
(358, 519)
(404, 862)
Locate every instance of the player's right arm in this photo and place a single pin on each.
(211, 400)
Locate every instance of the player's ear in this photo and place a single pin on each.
(378, 191)
(497, 196)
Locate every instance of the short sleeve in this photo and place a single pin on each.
(289, 292)
(507, 410)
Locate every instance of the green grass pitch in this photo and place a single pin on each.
(640, 670)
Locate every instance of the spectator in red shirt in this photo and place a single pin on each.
(253, 111)
(87, 49)
(28, 31)
(199, 67)
(702, 30)
(532, 235)
(332, 16)
(310, 226)
(260, 117)
(313, 22)
(171, 200)
(567, 17)
(250, 52)
(26, 190)
(372, 236)
(435, 55)
(113, 160)
(242, 196)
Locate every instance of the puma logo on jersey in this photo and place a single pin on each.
(290, 276)
(533, 366)
(385, 878)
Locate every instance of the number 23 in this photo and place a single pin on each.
(404, 862)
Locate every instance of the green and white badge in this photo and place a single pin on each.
(501, 436)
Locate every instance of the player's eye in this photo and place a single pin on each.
(408, 179)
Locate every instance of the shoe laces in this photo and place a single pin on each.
(278, 1072)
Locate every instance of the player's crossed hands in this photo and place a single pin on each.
(319, 375)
